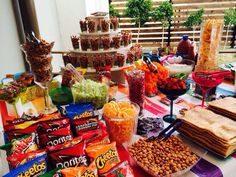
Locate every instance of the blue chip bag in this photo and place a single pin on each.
(77, 111)
(33, 168)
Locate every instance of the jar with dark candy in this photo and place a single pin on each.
(116, 41)
(83, 61)
(91, 26)
(83, 25)
(106, 42)
(95, 41)
(84, 43)
(136, 82)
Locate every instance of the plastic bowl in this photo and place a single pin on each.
(121, 129)
(200, 152)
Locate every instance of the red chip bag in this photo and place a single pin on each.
(52, 125)
(96, 137)
(105, 156)
(20, 159)
(56, 137)
(123, 169)
(90, 171)
(68, 155)
(19, 133)
(85, 124)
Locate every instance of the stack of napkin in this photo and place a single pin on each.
(215, 132)
(225, 107)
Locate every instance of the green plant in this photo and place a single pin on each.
(139, 11)
(194, 20)
(163, 13)
(112, 11)
(229, 19)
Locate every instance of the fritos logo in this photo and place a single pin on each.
(88, 174)
(103, 158)
(35, 169)
(85, 114)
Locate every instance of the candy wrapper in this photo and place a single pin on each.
(123, 169)
(105, 156)
(85, 124)
(32, 168)
(56, 137)
(22, 145)
(70, 154)
(20, 159)
(90, 171)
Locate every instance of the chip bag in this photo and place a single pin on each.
(96, 137)
(56, 137)
(68, 155)
(123, 169)
(19, 133)
(85, 124)
(52, 125)
(105, 156)
(76, 111)
(90, 171)
(22, 145)
(20, 159)
(32, 168)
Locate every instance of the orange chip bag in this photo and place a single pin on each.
(104, 156)
(90, 171)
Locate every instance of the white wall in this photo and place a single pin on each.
(49, 28)
(11, 59)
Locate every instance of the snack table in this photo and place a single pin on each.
(210, 165)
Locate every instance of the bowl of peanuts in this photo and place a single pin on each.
(121, 119)
(164, 158)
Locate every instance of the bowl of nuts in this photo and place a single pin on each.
(162, 158)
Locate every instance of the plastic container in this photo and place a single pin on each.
(121, 128)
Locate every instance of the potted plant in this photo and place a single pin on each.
(163, 13)
(230, 20)
(194, 20)
(139, 11)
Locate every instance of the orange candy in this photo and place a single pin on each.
(104, 156)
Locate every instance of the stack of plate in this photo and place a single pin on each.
(225, 107)
(215, 132)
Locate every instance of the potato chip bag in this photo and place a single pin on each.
(123, 169)
(90, 171)
(104, 156)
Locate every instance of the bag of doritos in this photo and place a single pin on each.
(69, 154)
(52, 125)
(56, 137)
(96, 137)
(105, 156)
